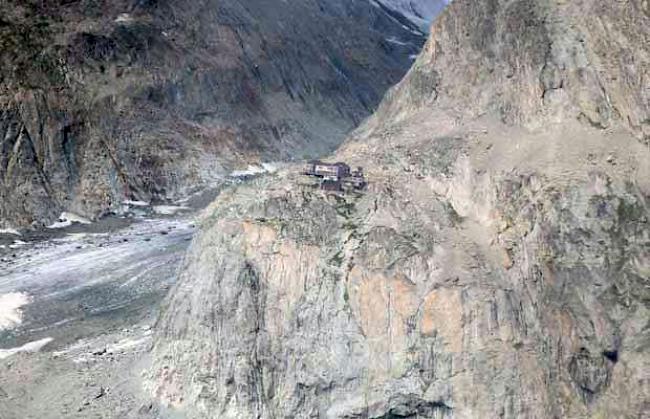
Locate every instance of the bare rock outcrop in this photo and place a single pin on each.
(455, 288)
(496, 267)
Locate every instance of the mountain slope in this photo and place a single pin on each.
(102, 101)
(496, 267)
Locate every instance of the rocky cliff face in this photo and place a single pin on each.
(102, 101)
(534, 63)
(496, 267)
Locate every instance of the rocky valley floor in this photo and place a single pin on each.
(77, 309)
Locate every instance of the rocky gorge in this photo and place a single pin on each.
(106, 101)
(496, 267)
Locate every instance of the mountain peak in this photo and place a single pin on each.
(534, 62)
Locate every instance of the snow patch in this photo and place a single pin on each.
(270, 167)
(30, 347)
(124, 18)
(250, 171)
(169, 209)
(10, 313)
(60, 224)
(66, 219)
(254, 170)
(16, 244)
(74, 237)
(10, 231)
(136, 203)
(127, 344)
(419, 12)
(396, 41)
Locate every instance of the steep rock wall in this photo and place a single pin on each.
(496, 267)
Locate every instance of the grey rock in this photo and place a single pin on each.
(496, 267)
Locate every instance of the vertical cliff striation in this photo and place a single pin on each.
(496, 267)
(102, 101)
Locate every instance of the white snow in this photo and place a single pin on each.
(66, 219)
(30, 347)
(60, 224)
(136, 203)
(16, 244)
(420, 12)
(75, 237)
(83, 351)
(126, 344)
(10, 313)
(11, 231)
(124, 18)
(253, 170)
(396, 41)
(169, 209)
(270, 167)
(250, 171)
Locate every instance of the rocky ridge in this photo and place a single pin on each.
(497, 266)
(535, 63)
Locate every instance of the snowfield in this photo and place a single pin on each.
(58, 287)
(420, 12)
(66, 219)
(10, 313)
(28, 347)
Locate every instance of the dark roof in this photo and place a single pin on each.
(331, 185)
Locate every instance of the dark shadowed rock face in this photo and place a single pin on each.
(497, 266)
(101, 101)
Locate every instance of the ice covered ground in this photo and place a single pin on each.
(83, 284)
(28, 347)
(10, 313)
